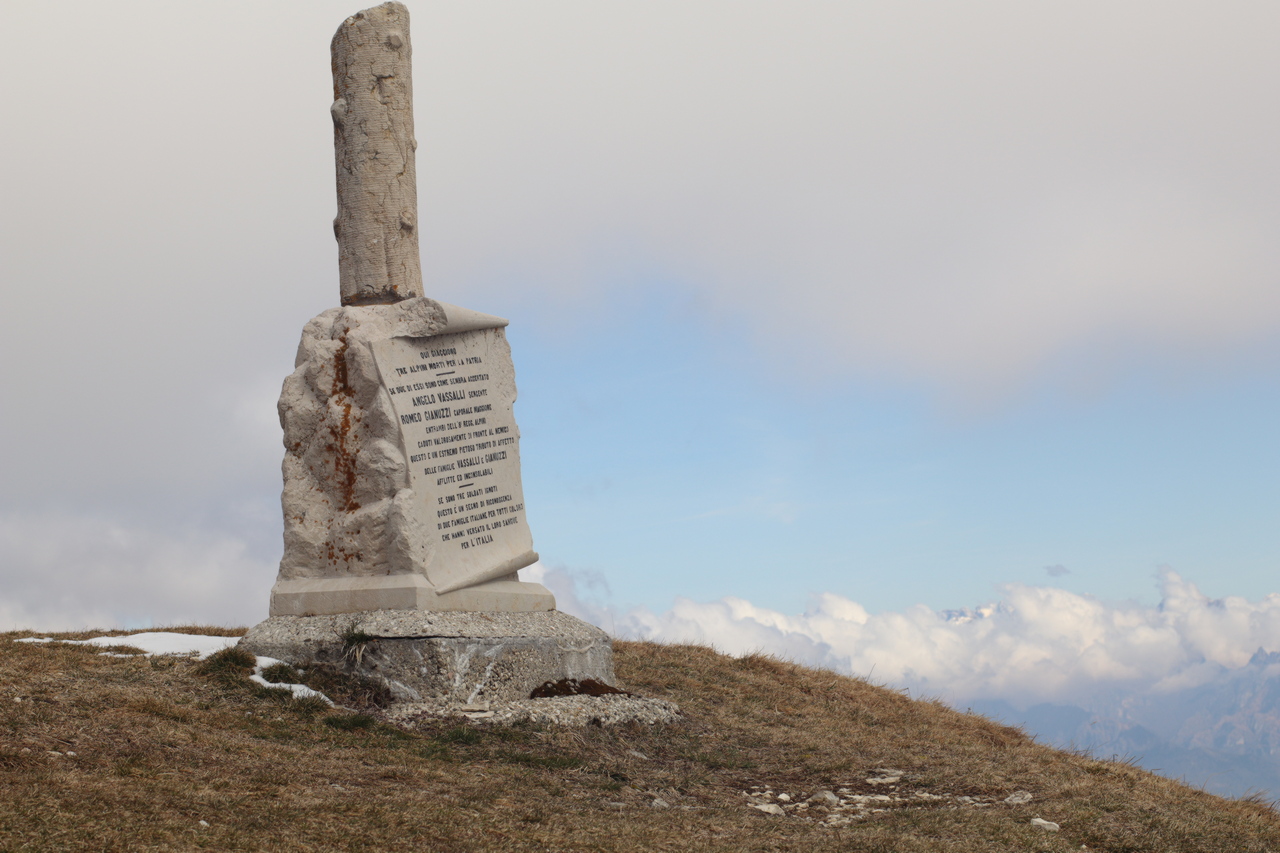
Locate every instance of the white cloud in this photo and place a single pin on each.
(964, 195)
(61, 571)
(1188, 687)
(1036, 644)
(967, 195)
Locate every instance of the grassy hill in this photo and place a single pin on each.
(133, 753)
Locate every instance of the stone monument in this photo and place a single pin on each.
(404, 515)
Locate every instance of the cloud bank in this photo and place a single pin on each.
(63, 571)
(967, 196)
(1036, 644)
(1188, 687)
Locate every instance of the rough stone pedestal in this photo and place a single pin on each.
(459, 657)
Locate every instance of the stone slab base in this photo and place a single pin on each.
(316, 596)
(456, 657)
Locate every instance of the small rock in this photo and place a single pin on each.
(769, 808)
(1047, 825)
(825, 798)
(616, 805)
(886, 777)
(786, 798)
(205, 824)
(1017, 798)
(659, 803)
(55, 754)
(637, 754)
(70, 754)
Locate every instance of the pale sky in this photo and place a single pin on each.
(892, 301)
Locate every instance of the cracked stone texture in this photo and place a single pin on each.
(561, 711)
(348, 507)
(374, 145)
(459, 657)
(346, 500)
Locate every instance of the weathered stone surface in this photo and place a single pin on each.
(769, 809)
(374, 144)
(560, 711)
(455, 657)
(357, 537)
(453, 395)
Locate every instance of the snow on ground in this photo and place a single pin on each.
(185, 645)
(300, 691)
(153, 643)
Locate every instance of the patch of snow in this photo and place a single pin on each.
(152, 643)
(299, 691)
(185, 645)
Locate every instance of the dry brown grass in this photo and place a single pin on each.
(160, 747)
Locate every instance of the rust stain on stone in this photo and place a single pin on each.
(344, 455)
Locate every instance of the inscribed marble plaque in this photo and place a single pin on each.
(453, 395)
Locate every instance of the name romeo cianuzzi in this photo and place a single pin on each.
(460, 436)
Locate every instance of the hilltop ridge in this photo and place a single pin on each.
(130, 753)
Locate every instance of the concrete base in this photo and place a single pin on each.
(461, 657)
(319, 596)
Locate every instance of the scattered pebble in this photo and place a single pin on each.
(638, 754)
(659, 803)
(205, 824)
(825, 798)
(885, 777)
(1047, 825)
(769, 808)
(842, 807)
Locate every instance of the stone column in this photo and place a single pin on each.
(377, 222)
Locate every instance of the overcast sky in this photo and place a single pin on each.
(910, 305)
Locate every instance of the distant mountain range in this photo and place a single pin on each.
(1220, 732)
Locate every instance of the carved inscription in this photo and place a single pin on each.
(453, 395)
